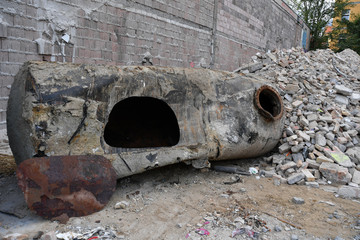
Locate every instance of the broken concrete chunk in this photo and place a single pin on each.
(297, 103)
(355, 98)
(298, 200)
(121, 205)
(312, 164)
(342, 100)
(308, 176)
(288, 165)
(335, 173)
(356, 177)
(278, 158)
(349, 192)
(341, 89)
(339, 157)
(326, 118)
(342, 140)
(320, 139)
(312, 117)
(304, 136)
(68, 186)
(296, 177)
(354, 154)
(321, 159)
(303, 121)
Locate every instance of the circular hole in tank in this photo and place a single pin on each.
(269, 103)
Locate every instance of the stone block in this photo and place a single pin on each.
(322, 159)
(326, 118)
(339, 157)
(355, 98)
(312, 164)
(284, 148)
(342, 140)
(298, 200)
(288, 165)
(341, 99)
(296, 177)
(304, 136)
(313, 125)
(297, 148)
(292, 88)
(320, 139)
(349, 192)
(341, 89)
(330, 136)
(278, 158)
(312, 117)
(308, 176)
(304, 121)
(356, 177)
(296, 103)
(352, 132)
(297, 157)
(354, 154)
(335, 173)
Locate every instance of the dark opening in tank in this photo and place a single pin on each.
(142, 122)
(269, 103)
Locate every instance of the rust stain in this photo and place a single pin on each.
(219, 110)
(40, 109)
(193, 131)
(185, 125)
(66, 186)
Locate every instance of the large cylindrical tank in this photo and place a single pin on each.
(141, 117)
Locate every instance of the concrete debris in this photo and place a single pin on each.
(96, 233)
(16, 236)
(62, 187)
(349, 192)
(335, 173)
(121, 205)
(298, 200)
(321, 92)
(296, 177)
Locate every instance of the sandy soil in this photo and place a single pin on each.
(174, 201)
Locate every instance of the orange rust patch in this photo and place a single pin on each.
(220, 109)
(40, 109)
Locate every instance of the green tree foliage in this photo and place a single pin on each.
(346, 34)
(317, 14)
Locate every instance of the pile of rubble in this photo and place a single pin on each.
(321, 92)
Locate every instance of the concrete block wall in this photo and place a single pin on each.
(220, 34)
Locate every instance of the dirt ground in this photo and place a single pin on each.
(176, 201)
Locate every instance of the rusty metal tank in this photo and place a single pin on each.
(141, 117)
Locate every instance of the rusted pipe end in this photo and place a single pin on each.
(269, 103)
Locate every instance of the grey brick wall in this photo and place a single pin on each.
(222, 34)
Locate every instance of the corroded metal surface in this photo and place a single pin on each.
(141, 117)
(66, 186)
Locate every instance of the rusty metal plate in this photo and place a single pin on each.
(60, 187)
